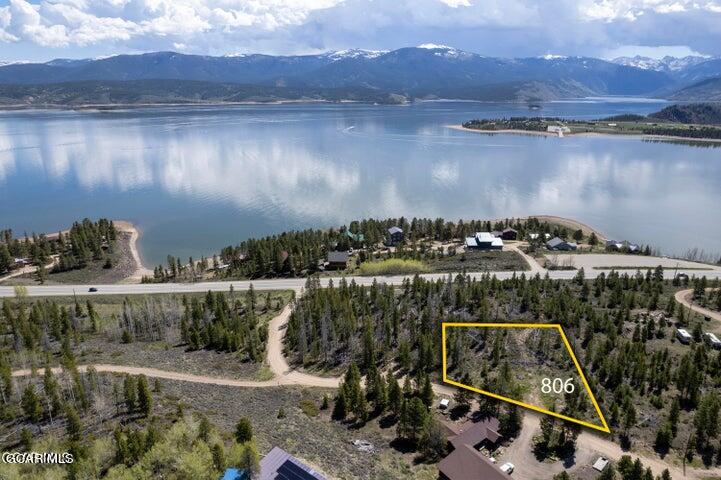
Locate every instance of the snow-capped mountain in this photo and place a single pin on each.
(427, 71)
(665, 64)
(355, 53)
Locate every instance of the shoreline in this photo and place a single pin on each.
(630, 136)
(111, 107)
(140, 269)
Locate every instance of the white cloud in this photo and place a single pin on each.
(612, 10)
(217, 27)
(79, 22)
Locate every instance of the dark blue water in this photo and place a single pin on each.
(197, 179)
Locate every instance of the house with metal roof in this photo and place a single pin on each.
(509, 234)
(395, 235)
(337, 260)
(557, 243)
(484, 241)
(465, 461)
(281, 465)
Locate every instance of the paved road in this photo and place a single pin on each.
(286, 283)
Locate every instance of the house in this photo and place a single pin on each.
(557, 243)
(624, 246)
(465, 461)
(281, 465)
(600, 464)
(683, 336)
(509, 234)
(355, 237)
(20, 263)
(235, 474)
(558, 129)
(613, 245)
(712, 340)
(337, 260)
(484, 241)
(395, 235)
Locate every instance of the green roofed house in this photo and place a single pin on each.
(355, 237)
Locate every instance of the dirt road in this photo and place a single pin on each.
(684, 298)
(590, 446)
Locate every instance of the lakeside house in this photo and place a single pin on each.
(559, 130)
(559, 244)
(484, 241)
(466, 461)
(395, 235)
(509, 234)
(337, 260)
(624, 246)
(355, 237)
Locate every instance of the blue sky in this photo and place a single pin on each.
(39, 30)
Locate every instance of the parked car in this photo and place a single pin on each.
(507, 468)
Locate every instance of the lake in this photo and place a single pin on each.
(197, 179)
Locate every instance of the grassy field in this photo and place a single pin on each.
(393, 266)
(478, 261)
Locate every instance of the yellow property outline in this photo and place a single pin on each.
(558, 327)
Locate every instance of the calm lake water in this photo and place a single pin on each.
(197, 179)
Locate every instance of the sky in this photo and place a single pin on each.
(40, 30)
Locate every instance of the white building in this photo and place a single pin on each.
(484, 241)
(712, 340)
(683, 336)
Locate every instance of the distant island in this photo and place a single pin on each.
(698, 122)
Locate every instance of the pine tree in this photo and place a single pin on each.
(427, 392)
(243, 430)
(340, 407)
(145, 398)
(130, 392)
(31, 404)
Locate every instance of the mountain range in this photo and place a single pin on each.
(424, 72)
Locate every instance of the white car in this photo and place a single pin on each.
(507, 468)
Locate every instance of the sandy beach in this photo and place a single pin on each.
(140, 269)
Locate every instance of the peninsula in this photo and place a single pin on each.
(696, 122)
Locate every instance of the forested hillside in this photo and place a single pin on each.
(84, 243)
(696, 113)
(299, 253)
(654, 391)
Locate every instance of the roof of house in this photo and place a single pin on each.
(393, 230)
(509, 229)
(467, 462)
(281, 465)
(337, 257)
(601, 464)
(473, 433)
(356, 237)
(555, 241)
(485, 236)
